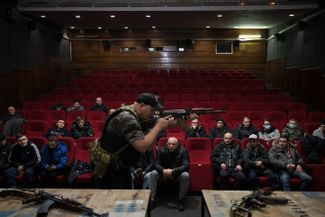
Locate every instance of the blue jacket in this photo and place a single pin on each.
(59, 159)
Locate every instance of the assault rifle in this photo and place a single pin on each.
(48, 200)
(257, 199)
(180, 113)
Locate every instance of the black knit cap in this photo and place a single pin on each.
(150, 99)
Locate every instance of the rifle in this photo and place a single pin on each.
(48, 200)
(257, 199)
(179, 113)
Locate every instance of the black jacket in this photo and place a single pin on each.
(250, 156)
(197, 132)
(27, 156)
(242, 132)
(178, 160)
(227, 154)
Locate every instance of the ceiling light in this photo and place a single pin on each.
(291, 15)
(112, 16)
(126, 27)
(148, 16)
(249, 37)
(72, 27)
(153, 27)
(99, 27)
(220, 15)
(242, 2)
(236, 26)
(208, 27)
(272, 3)
(77, 16)
(43, 16)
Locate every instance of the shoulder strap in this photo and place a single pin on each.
(109, 118)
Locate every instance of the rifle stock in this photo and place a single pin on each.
(48, 200)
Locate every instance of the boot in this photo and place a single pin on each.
(180, 205)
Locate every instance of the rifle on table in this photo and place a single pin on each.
(48, 200)
(257, 199)
(180, 113)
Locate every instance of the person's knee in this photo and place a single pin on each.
(153, 175)
(10, 172)
(185, 176)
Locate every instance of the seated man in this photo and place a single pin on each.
(59, 107)
(172, 165)
(219, 130)
(226, 160)
(54, 157)
(12, 122)
(245, 129)
(58, 130)
(320, 131)
(81, 128)
(256, 162)
(285, 159)
(293, 131)
(5, 149)
(195, 130)
(24, 159)
(312, 145)
(141, 171)
(99, 106)
(76, 106)
(269, 132)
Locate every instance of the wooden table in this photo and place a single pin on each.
(128, 203)
(301, 204)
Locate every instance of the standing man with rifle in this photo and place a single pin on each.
(123, 140)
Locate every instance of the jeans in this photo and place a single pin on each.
(285, 180)
(11, 173)
(183, 179)
(226, 174)
(253, 174)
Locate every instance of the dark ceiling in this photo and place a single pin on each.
(186, 14)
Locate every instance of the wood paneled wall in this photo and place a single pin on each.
(304, 83)
(90, 54)
(22, 84)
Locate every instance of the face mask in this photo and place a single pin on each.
(292, 125)
(267, 126)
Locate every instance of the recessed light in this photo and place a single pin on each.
(99, 27)
(220, 15)
(72, 27)
(126, 27)
(208, 27)
(112, 16)
(153, 27)
(77, 16)
(43, 16)
(272, 3)
(148, 16)
(291, 15)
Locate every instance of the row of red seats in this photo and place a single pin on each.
(228, 116)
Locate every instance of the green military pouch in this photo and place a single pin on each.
(100, 158)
